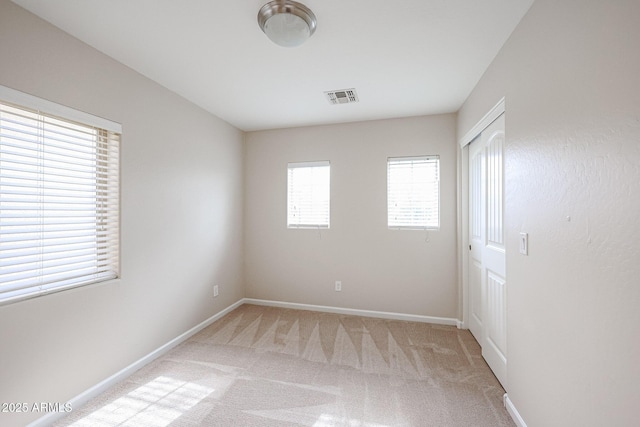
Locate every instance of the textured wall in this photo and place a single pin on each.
(380, 269)
(570, 76)
(181, 222)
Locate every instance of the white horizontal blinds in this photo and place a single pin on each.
(59, 197)
(413, 192)
(308, 195)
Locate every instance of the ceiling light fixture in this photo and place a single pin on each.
(287, 23)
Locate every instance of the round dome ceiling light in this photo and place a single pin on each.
(287, 23)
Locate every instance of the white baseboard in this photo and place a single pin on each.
(354, 312)
(104, 385)
(515, 415)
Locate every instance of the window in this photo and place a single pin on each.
(413, 192)
(59, 197)
(308, 195)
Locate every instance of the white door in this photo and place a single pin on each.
(487, 276)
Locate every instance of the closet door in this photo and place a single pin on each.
(487, 275)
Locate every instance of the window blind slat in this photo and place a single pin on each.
(36, 283)
(17, 254)
(63, 256)
(22, 143)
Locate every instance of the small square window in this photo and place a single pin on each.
(413, 192)
(308, 188)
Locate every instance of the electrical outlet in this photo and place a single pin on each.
(215, 290)
(338, 286)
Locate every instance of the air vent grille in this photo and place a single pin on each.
(342, 96)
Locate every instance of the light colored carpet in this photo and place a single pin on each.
(264, 366)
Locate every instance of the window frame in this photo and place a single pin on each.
(100, 154)
(413, 226)
(308, 225)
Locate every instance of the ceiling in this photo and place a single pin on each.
(404, 58)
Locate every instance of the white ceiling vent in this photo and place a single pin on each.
(342, 96)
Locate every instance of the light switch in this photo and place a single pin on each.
(524, 243)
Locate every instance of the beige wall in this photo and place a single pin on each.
(380, 269)
(181, 219)
(570, 77)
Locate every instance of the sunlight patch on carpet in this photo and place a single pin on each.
(155, 404)
(328, 420)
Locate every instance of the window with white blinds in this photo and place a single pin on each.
(59, 197)
(413, 192)
(308, 195)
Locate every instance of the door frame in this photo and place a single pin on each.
(463, 208)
